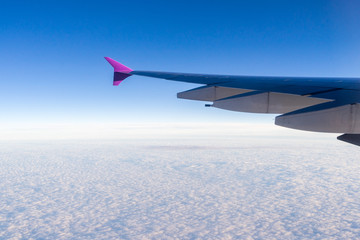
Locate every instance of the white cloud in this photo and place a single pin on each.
(147, 130)
(179, 188)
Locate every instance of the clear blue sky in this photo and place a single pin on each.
(52, 67)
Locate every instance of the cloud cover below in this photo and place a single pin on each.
(246, 188)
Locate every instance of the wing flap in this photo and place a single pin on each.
(210, 93)
(266, 102)
(350, 138)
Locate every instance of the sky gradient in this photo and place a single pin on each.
(53, 70)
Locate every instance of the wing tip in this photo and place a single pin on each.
(120, 71)
(118, 67)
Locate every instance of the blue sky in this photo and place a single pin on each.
(53, 71)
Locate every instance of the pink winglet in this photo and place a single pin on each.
(120, 71)
(118, 67)
(116, 83)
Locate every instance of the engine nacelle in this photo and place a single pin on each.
(341, 119)
(266, 102)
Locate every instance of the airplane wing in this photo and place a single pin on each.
(305, 103)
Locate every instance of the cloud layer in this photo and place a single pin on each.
(247, 188)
